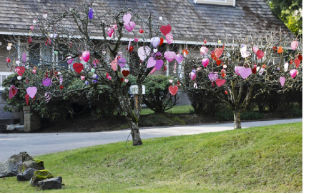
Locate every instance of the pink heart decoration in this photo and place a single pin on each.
(155, 41)
(153, 70)
(244, 72)
(114, 64)
(69, 61)
(293, 73)
(255, 49)
(193, 75)
(126, 18)
(20, 70)
(170, 55)
(85, 56)
(205, 62)
(220, 82)
(260, 54)
(165, 29)
(13, 91)
(24, 57)
(236, 69)
(159, 64)
(203, 50)
(151, 62)
(110, 32)
(218, 52)
(282, 81)
(130, 26)
(179, 58)
(294, 45)
(46, 82)
(173, 90)
(31, 91)
(213, 76)
(143, 52)
(169, 38)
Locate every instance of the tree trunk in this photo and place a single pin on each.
(135, 133)
(237, 121)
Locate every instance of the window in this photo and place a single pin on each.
(3, 76)
(216, 2)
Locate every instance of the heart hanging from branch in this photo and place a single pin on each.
(78, 67)
(173, 90)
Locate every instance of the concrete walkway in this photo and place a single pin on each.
(43, 143)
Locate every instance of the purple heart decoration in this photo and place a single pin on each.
(179, 58)
(143, 52)
(130, 26)
(155, 41)
(245, 72)
(126, 18)
(46, 82)
(122, 62)
(24, 57)
(170, 55)
(151, 62)
(90, 13)
(159, 64)
(213, 76)
(31, 91)
(282, 80)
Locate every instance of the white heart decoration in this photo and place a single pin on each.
(143, 52)
(155, 41)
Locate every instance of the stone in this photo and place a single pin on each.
(52, 183)
(40, 175)
(36, 164)
(12, 166)
(26, 175)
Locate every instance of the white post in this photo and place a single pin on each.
(167, 62)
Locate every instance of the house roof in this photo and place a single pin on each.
(190, 22)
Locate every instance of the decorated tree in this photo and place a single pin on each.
(236, 72)
(101, 50)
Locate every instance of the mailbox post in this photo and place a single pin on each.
(134, 90)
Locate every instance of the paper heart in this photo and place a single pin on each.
(236, 69)
(69, 61)
(297, 62)
(244, 72)
(218, 52)
(282, 80)
(110, 32)
(260, 54)
(143, 52)
(130, 26)
(114, 64)
(165, 29)
(12, 91)
(244, 52)
(170, 55)
(293, 73)
(46, 82)
(213, 76)
(78, 67)
(294, 45)
(155, 42)
(203, 50)
(122, 62)
(179, 58)
(193, 75)
(220, 82)
(85, 56)
(255, 49)
(173, 90)
(254, 69)
(151, 62)
(159, 64)
(169, 38)
(125, 72)
(126, 18)
(205, 62)
(90, 13)
(286, 66)
(24, 57)
(20, 70)
(31, 91)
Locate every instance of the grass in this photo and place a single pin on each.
(261, 159)
(182, 109)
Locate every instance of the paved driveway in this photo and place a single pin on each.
(42, 143)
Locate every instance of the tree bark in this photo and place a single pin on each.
(237, 121)
(135, 133)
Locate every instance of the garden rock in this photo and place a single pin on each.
(13, 164)
(36, 164)
(40, 175)
(52, 183)
(26, 175)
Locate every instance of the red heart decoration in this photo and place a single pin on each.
(173, 90)
(220, 82)
(13, 91)
(125, 73)
(165, 29)
(78, 67)
(260, 54)
(161, 41)
(297, 62)
(20, 70)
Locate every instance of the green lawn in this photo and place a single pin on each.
(262, 159)
(182, 109)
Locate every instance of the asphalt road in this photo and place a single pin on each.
(43, 143)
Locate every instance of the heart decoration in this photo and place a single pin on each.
(203, 50)
(161, 41)
(12, 91)
(46, 82)
(114, 64)
(260, 54)
(285, 66)
(254, 69)
(20, 70)
(143, 52)
(169, 38)
(261, 71)
(24, 57)
(244, 52)
(179, 58)
(151, 62)
(297, 62)
(159, 64)
(173, 90)
(130, 26)
(165, 29)
(220, 82)
(205, 62)
(90, 13)
(32, 91)
(193, 75)
(280, 50)
(125, 72)
(213, 76)
(293, 73)
(244, 72)
(122, 62)
(155, 42)
(69, 61)
(282, 80)
(255, 49)
(294, 45)
(218, 52)
(110, 32)
(85, 56)
(126, 18)
(170, 55)
(78, 67)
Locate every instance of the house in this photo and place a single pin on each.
(192, 21)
